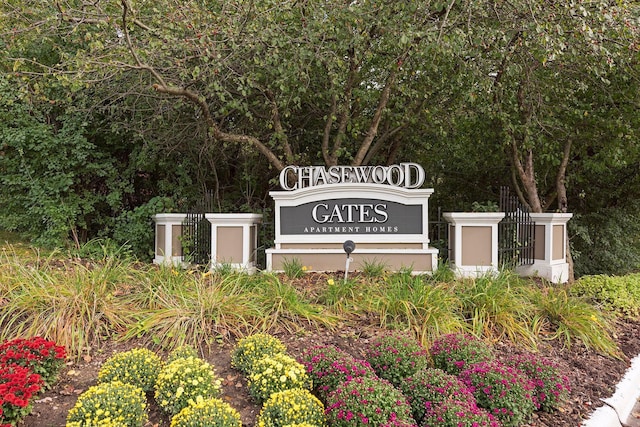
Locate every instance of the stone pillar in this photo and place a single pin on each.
(473, 242)
(550, 248)
(234, 240)
(168, 246)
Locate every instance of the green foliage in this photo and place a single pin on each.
(617, 294)
(293, 407)
(274, 373)
(136, 229)
(395, 356)
(453, 353)
(139, 367)
(185, 382)
(252, 348)
(365, 401)
(114, 402)
(207, 413)
(488, 206)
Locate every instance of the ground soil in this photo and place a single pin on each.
(593, 377)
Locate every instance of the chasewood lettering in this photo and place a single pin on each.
(407, 175)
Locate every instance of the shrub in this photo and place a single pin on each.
(429, 387)
(368, 401)
(115, 402)
(503, 390)
(207, 413)
(184, 382)
(328, 367)
(17, 386)
(454, 352)
(619, 294)
(43, 357)
(396, 356)
(138, 366)
(182, 352)
(293, 407)
(551, 387)
(252, 348)
(458, 413)
(276, 373)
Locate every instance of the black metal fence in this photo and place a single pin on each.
(439, 236)
(515, 232)
(196, 232)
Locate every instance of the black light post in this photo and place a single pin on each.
(348, 247)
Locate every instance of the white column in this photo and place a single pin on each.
(475, 242)
(244, 244)
(164, 252)
(553, 265)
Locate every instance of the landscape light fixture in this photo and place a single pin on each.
(348, 247)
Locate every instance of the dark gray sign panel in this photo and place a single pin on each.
(351, 216)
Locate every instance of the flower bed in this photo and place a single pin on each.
(354, 395)
(26, 367)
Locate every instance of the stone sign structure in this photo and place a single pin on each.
(381, 208)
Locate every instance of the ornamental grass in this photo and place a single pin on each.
(207, 413)
(293, 407)
(395, 356)
(368, 401)
(109, 404)
(139, 367)
(252, 348)
(454, 352)
(276, 373)
(184, 382)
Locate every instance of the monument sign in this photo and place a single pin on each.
(381, 208)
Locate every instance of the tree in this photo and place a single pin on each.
(551, 65)
(298, 81)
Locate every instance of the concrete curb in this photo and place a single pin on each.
(623, 400)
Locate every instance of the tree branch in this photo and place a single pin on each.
(375, 122)
(193, 97)
(327, 131)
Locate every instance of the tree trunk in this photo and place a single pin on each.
(561, 190)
